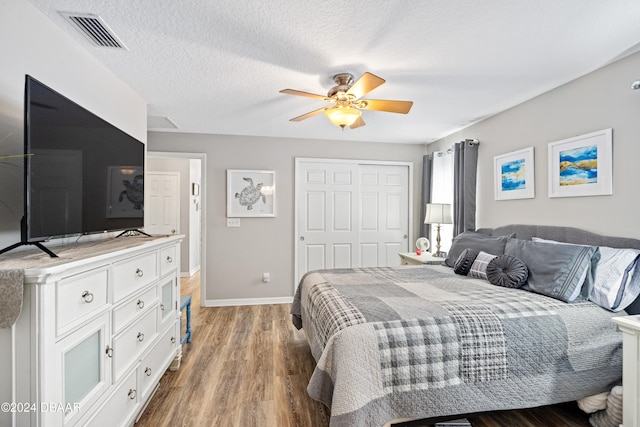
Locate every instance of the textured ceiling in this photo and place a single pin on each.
(216, 66)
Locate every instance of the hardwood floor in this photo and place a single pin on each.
(248, 366)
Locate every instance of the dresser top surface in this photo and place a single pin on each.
(80, 252)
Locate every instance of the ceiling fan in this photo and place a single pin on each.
(346, 100)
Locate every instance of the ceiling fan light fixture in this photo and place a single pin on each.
(343, 116)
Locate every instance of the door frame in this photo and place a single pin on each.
(203, 208)
(299, 160)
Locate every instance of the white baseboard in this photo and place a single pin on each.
(247, 301)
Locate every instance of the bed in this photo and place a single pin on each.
(422, 342)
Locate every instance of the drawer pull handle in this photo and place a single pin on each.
(139, 272)
(169, 259)
(140, 336)
(109, 351)
(87, 297)
(140, 303)
(147, 372)
(162, 307)
(132, 393)
(173, 340)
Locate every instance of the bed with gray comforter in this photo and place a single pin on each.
(417, 342)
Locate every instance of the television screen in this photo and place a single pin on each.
(82, 174)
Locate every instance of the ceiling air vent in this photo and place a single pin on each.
(94, 29)
(160, 122)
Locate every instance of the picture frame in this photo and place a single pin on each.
(251, 193)
(514, 175)
(582, 165)
(125, 186)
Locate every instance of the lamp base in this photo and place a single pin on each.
(439, 254)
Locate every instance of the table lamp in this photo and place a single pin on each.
(438, 213)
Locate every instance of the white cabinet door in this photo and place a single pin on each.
(85, 364)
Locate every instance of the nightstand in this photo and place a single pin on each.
(410, 258)
(630, 326)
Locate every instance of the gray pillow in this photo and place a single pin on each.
(465, 261)
(476, 241)
(507, 271)
(564, 272)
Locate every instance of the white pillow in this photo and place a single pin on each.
(615, 285)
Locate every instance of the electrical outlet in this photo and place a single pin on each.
(266, 277)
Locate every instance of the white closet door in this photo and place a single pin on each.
(384, 214)
(350, 214)
(327, 216)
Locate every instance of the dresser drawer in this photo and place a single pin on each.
(133, 307)
(120, 408)
(156, 362)
(133, 341)
(133, 274)
(79, 297)
(167, 260)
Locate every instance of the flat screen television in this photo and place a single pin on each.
(82, 174)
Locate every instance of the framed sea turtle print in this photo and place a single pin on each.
(251, 193)
(125, 192)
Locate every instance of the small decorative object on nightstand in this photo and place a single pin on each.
(410, 258)
(438, 213)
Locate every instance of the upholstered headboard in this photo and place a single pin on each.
(569, 235)
(562, 234)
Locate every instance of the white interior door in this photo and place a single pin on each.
(384, 214)
(162, 208)
(351, 214)
(327, 217)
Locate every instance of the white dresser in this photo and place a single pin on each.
(99, 326)
(630, 326)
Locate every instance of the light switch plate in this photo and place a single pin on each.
(233, 222)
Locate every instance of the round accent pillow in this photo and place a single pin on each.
(465, 261)
(507, 271)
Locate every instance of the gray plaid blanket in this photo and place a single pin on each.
(422, 342)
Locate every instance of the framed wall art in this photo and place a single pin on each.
(514, 175)
(251, 193)
(582, 165)
(125, 192)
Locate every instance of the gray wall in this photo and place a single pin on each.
(237, 257)
(602, 99)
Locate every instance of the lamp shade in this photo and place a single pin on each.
(342, 116)
(438, 213)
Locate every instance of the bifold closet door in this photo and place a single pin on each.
(351, 215)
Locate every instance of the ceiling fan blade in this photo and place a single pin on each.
(401, 107)
(365, 84)
(358, 123)
(301, 93)
(306, 116)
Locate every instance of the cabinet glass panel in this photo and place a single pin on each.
(82, 368)
(167, 300)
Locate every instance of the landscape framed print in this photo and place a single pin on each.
(514, 175)
(582, 165)
(251, 193)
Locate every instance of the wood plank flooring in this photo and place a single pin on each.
(248, 366)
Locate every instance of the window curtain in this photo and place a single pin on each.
(465, 165)
(427, 167)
